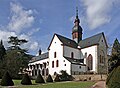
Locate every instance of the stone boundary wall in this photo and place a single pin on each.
(93, 77)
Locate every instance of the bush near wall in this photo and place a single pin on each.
(49, 78)
(26, 80)
(6, 80)
(39, 79)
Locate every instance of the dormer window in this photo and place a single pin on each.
(55, 55)
(72, 55)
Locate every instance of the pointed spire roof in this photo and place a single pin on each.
(77, 19)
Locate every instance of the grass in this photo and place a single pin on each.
(55, 85)
(17, 84)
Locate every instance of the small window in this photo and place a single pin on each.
(54, 54)
(102, 40)
(64, 64)
(72, 55)
(52, 64)
(80, 67)
(57, 63)
(63, 60)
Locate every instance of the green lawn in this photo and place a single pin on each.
(55, 85)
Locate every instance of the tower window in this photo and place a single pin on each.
(57, 63)
(80, 67)
(72, 55)
(55, 55)
(52, 64)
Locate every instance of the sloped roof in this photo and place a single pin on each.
(67, 41)
(93, 40)
(75, 61)
(40, 57)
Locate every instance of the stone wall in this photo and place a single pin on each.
(93, 77)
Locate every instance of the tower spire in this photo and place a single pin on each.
(77, 30)
(76, 12)
(77, 21)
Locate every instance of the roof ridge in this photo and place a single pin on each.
(64, 37)
(93, 35)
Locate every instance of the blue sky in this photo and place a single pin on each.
(38, 20)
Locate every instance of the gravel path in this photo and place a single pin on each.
(99, 84)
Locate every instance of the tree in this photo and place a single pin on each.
(26, 80)
(115, 55)
(15, 58)
(113, 80)
(14, 61)
(39, 79)
(2, 50)
(49, 78)
(16, 42)
(6, 80)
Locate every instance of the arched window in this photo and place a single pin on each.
(47, 71)
(35, 72)
(55, 54)
(57, 63)
(72, 55)
(52, 64)
(39, 71)
(90, 62)
(43, 72)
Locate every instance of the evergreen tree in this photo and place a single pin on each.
(15, 57)
(16, 42)
(115, 55)
(49, 78)
(113, 80)
(6, 80)
(39, 79)
(2, 50)
(26, 80)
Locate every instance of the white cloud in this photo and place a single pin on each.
(34, 46)
(33, 31)
(5, 34)
(97, 12)
(20, 19)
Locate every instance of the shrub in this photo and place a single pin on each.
(6, 80)
(26, 80)
(65, 76)
(39, 79)
(49, 78)
(114, 80)
(57, 78)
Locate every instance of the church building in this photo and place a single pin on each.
(75, 56)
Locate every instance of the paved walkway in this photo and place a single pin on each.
(99, 84)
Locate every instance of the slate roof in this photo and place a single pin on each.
(75, 61)
(40, 57)
(67, 41)
(93, 40)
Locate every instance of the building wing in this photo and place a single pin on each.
(93, 40)
(40, 57)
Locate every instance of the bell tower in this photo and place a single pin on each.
(77, 29)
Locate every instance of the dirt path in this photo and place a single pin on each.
(99, 84)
